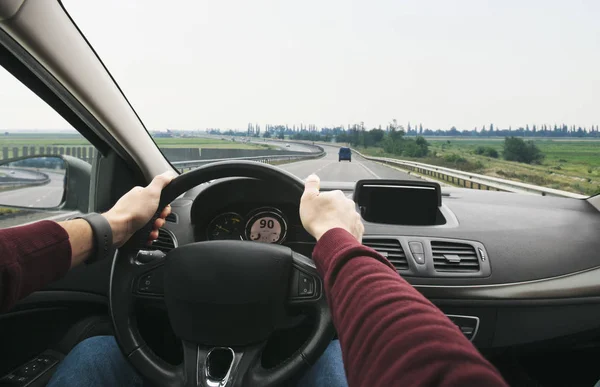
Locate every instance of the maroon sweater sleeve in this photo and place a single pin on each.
(31, 257)
(390, 334)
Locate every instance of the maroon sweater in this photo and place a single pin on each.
(31, 257)
(390, 334)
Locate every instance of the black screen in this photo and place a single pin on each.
(400, 205)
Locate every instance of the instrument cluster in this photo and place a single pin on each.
(264, 224)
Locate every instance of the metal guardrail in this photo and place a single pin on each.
(41, 179)
(464, 179)
(184, 166)
(472, 180)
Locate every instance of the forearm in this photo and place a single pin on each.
(31, 257)
(390, 334)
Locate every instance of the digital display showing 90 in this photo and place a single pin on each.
(267, 226)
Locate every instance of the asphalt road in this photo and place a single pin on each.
(329, 169)
(41, 196)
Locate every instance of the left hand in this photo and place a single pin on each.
(135, 209)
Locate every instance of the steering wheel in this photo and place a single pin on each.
(223, 298)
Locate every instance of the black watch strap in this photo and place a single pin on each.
(103, 241)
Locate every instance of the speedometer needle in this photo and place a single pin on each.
(224, 229)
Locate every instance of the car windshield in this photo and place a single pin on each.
(489, 95)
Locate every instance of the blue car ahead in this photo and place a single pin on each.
(345, 154)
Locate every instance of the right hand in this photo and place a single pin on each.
(321, 212)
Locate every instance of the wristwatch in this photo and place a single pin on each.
(103, 237)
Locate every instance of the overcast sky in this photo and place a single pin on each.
(198, 64)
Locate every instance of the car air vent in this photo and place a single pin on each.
(171, 218)
(454, 257)
(391, 249)
(165, 241)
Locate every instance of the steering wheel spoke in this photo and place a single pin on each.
(306, 287)
(149, 285)
(207, 366)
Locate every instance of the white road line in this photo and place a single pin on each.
(368, 170)
(315, 172)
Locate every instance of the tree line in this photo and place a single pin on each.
(312, 132)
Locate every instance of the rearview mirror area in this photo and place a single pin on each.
(38, 182)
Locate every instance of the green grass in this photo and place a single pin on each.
(570, 164)
(6, 211)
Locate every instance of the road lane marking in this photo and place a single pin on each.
(368, 170)
(315, 172)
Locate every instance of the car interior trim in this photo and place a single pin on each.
(579, 284)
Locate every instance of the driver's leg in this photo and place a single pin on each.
(328, 370)
(95, 362)
(98, 362)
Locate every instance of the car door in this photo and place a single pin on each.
(54, 319)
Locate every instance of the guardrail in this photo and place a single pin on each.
(184, 166)
(472, 180)
(40, 179)
(462, 178)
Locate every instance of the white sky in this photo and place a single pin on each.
(198, 64)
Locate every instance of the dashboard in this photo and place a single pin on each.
(524, 259)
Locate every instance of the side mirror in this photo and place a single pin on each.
(45, 183)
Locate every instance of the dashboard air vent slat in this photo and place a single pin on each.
(165, 242)
(391, 249)
(454, 257)
(171, 218)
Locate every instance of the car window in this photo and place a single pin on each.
(32, 178)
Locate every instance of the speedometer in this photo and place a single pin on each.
(227, 226)
(267, 226)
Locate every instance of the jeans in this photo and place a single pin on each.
(98, 362)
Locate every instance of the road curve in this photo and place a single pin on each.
(42, 196)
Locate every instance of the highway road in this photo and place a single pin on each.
(41, 196)
(329, 169)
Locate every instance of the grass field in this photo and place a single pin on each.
(570, 164)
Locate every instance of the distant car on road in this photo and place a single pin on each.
(287, 145)
(345, 154)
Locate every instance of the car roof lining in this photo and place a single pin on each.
(9, 8)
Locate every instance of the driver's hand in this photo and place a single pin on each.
(135, 209)
(323, 211)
